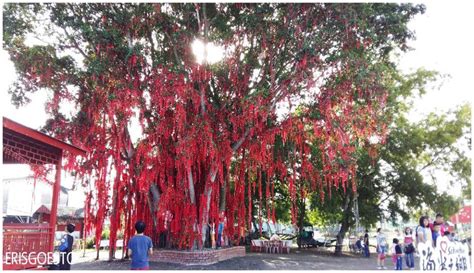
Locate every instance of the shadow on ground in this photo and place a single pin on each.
(307, 259)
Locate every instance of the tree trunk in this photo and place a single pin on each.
(192, 193)
(301, 214)
(222, 200)
(155, 199)
(192, 197)
(345, 222)
(205, 216)
(127, 153)
(113, 223)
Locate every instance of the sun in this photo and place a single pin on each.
(207, 52)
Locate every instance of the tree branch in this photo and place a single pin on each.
(237, 145)
(173, 47)
(434, 158)
(76, 45)
(192, 193)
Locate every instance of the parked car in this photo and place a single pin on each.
(312, 237)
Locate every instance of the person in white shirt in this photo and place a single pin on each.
(381, 248)
(423, 232)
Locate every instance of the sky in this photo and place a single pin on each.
(444, 43)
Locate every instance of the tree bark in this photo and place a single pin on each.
(153, 200)
(192, 197)
(301, 214)
(222, 193)
(127, 153)
(113, 221)
(192, 193)
(345, 222)
(205, 216)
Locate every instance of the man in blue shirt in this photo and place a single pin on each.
(140, 247)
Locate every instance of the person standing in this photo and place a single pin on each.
(220, 231)
(398, 254)
(409, 248)
(436, 232)
(65, 248)
(423, 232)
(381, 249)
(393, 252)
(440, 221)
(213, 236)
(140, 247)
(366, 244)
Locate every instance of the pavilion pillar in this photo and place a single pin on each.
(54, 203)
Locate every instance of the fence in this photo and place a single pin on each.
(24, 238)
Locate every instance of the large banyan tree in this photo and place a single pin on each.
(215, 133)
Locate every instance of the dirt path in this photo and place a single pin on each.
(308, 259)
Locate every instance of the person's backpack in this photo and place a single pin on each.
(64, 244)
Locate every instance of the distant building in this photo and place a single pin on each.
(24, 196)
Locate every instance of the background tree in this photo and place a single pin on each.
(398, 183)
(116, 62)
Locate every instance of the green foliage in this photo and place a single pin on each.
(282, 203)
(396, 184)
(168, 29)
(105, 234)
(18, 20)
(162, 34)
(414, 150)
(327, 212)
(90, 242)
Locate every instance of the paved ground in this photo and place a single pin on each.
(307, 259)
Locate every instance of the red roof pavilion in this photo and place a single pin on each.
(23, 145)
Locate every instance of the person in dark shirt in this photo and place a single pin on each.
(366, 244)
(65, 249)
(399, 254)
(140, 247)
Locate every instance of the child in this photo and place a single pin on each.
(394, 255)
(139, 248)
(65, 248)
(397, 254)
(436, 232)
(440, 221)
